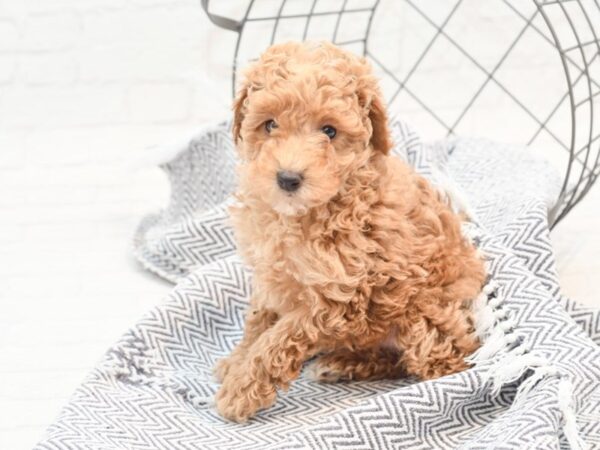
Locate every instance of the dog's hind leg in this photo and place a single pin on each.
(436, 340)
(365, 364)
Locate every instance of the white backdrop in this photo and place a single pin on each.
(85, 86)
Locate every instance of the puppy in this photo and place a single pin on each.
(356, 259)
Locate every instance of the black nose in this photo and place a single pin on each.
(289, 181)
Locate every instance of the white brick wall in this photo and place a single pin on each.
(9, 34)
(73, 70)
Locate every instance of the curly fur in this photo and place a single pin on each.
(365, 265)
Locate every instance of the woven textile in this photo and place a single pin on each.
(534, 384)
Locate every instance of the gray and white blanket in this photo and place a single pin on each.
(535, 382)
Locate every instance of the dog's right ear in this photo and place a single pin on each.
(370, 98)
(238, 112)
(380, 138)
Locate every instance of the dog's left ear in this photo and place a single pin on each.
(238, 112)
(372, 101)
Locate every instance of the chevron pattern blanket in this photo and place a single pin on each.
(535, 383)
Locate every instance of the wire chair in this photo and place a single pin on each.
(560, 120)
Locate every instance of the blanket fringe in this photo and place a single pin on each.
(135, 368)
(166, 384)
(493, 324)
(515, 364)
(565, 402)
(512, 367)
(496, 329)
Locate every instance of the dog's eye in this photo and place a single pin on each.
(270, 125)
(329, 131)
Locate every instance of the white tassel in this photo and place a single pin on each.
(490, 287)
(491, 324)
(483, 316)
(495, 303)
(565, 400)
(198, 401)
(474, 239)
(493, 344)
(537, 375)
(512, 367)
(506, 325)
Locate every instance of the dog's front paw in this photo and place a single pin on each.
(240, 399)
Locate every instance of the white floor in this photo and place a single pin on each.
(70, 286)
(577, 244)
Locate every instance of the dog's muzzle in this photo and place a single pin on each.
(289, 181)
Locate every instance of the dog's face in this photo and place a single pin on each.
(306, 116)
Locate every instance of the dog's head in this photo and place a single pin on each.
(306, 116)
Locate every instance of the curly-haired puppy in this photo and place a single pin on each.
(356, 258)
